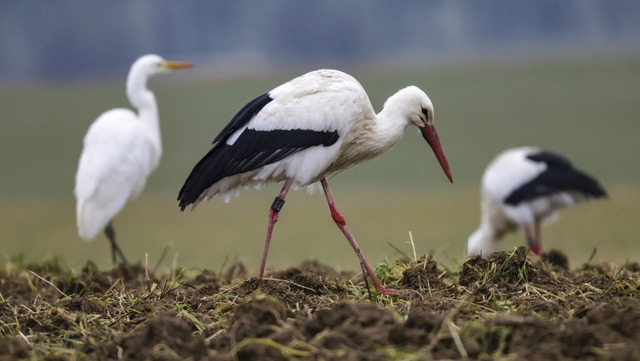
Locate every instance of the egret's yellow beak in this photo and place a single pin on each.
(173, 65)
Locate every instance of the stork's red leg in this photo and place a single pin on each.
(532, 240)
(339, 219)
(537, 247)
(273, 218)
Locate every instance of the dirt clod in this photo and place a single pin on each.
(556, 258)
(425, 274)
(163, 337)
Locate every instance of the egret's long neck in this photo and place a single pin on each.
(144, 100)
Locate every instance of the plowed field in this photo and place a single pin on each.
(509, 306)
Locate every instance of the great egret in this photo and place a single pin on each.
(121, 148)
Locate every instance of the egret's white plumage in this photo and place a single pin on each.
(302, 132)
(120, 150)
(527, 187)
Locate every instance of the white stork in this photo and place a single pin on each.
(121, 148)
(525, 187)
(305, 131)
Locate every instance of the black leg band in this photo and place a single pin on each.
(277, 204)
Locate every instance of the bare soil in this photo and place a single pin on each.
(511, 306)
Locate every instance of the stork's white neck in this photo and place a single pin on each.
(387, 132)
(390, 124)
(482, 241)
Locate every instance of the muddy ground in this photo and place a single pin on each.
(511, 306)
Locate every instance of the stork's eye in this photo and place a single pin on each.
(425, 112)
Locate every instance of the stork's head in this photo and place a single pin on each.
(416, 106)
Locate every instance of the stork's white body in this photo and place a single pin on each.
(302, 104)
(526, 187)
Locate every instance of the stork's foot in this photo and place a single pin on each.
(388, 291)
(536, 249)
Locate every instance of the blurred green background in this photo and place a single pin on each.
(586, 108)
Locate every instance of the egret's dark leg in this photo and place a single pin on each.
(273, 218)
(339, 219)
(115, 249)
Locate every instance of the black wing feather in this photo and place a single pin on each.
(252, 150)
(243, 116)
(560, 176)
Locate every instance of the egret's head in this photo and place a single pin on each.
(152, 64)
(143, 68)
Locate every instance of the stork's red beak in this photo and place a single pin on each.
(431, 136)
